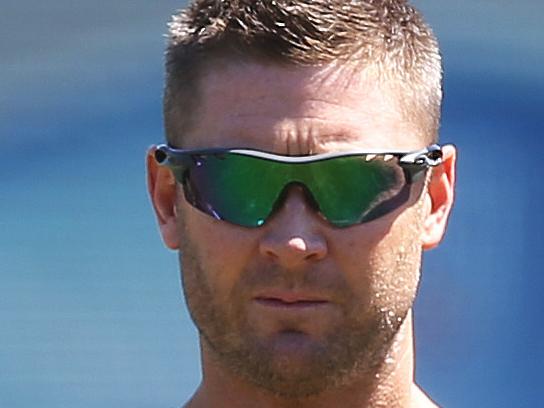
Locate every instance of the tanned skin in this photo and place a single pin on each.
(353, 348)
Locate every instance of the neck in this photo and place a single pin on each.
(392, 385)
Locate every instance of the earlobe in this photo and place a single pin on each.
(161, 186)
(440, 196)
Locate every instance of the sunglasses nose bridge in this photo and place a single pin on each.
(295, 194)
(293, 234)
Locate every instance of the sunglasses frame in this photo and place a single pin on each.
(430, 156)
(413, 163)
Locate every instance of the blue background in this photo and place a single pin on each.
(91, 313)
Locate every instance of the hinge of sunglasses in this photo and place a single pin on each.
(431, 156)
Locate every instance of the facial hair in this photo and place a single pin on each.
(358, 347)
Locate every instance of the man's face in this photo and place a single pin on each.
(298, 305)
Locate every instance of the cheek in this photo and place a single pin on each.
(217, 250)
(382, 261)
(354, 251)
(395, 264)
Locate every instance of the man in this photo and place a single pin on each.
(300, 185)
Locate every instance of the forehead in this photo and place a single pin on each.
(299, 110)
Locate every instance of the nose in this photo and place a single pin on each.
(294, 235)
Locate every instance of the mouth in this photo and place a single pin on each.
(291, 300)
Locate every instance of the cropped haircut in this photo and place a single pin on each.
(388, 35)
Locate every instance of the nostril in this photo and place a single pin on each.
(313, 256)
(269, 253)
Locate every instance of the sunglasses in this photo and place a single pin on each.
(245, 187)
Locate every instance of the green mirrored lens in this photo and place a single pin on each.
(349, 188)
(245, 189)
(237, 188)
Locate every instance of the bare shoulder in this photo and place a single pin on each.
(421, 399)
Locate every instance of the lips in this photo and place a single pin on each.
(290, 299)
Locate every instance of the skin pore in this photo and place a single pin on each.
(352, 348)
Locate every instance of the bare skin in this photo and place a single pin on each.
(354, 346)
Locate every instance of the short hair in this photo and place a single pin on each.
(389, 35)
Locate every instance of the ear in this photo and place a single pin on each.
(439, 200)
(161, 185)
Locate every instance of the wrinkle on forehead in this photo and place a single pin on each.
(305, 136)
(296, 139)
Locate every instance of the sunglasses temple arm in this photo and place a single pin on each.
(430, 156)
(166, 156)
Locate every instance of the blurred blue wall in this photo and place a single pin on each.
(90, 307)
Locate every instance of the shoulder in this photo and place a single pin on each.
(421, 400)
